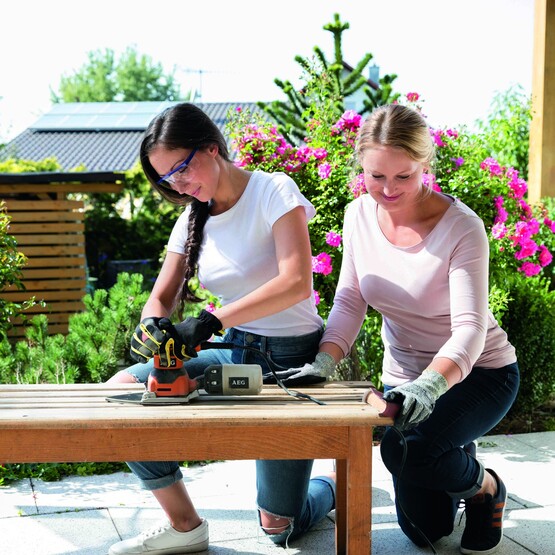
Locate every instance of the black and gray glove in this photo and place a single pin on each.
(320, 370)
(418, 398)
(146, 340)
(190, 333)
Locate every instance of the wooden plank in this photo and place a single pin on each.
(359, 490)
(541, 165)
(53, 317)
(152, 443)
(53, 250)
(15, 205)
(59, 188)
(19, 230)
(74, 239)
(51, 216)
(18, 296)
(18, 333)
(69, 261)
(341, 505)
(65, 306)
(44, 273)
(33, 285)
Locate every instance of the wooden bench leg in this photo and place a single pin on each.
(341, 507)
(353, 512)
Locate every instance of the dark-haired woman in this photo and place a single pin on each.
(245, 235)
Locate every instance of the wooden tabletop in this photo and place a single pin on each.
(85, 405)
(66, 423)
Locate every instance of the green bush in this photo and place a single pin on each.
(96, 346)
(530, 323)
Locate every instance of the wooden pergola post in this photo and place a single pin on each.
(541, 165)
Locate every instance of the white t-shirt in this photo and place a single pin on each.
(238, 253)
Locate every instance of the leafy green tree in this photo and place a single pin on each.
(506, 131)
(335, 83)
(132, 78)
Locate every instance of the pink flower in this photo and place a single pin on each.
(413, 96)
(350, 120)
(492, 165)
(316, 297)
(210, 307)
(550, 224)
(545, 257)
(333, 239)
(324, 170)
(429, 180)
(437, 136)
(499, 230)
(321, 264)
(357, 186)
(528, 247)
(529, 269)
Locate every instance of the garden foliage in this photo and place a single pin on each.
(522, 236)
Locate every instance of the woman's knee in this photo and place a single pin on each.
(123, 376)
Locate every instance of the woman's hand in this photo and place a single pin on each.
(418, 398)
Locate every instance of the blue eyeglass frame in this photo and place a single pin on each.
(183, 164)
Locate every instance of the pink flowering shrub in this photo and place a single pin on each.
(521, 236)
(321, 167)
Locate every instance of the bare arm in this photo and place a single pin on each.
(165, 294)
(293, 282)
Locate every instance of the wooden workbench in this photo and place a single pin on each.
(75, 423)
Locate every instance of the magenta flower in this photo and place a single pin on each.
(545, 257)
(333, 239)
(324, 171)
(357, 186)
(316, 297)
(437, 136)
(499, 230)
(528, 247)
(492, 165)
(550, 224)
(321, 264)
(210, 307)
(529, 269)
(429, 180)
(350, 120)
(413, 96)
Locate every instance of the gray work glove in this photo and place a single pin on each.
(320, 370)
(418, 398)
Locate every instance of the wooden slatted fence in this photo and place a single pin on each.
(49, 229)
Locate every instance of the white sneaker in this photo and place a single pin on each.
(164, 539)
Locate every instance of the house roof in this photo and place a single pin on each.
(102, 136)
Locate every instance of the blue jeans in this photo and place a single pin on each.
(284, 488)
(438, 472)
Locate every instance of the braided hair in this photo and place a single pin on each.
(183, 126)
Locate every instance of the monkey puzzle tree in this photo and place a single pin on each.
(293, 115)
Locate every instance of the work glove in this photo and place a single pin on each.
(190, 333)
(320, 370)
(418, 398)
(146, 340)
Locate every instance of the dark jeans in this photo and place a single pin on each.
(438, 472)
(284, 487)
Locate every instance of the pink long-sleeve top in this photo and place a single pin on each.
(433, 296)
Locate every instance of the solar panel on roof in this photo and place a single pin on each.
(92, 116)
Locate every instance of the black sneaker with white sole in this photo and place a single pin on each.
(483, 532)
